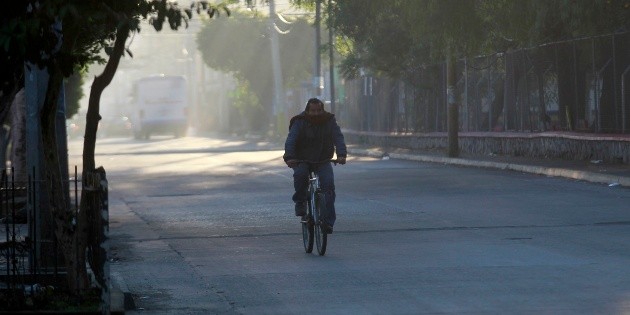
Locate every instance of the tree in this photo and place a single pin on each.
(522, 24)
(62, 36)
(398, 38)
(377, 36)
(32, 36)
(246, 109)
(454, 30)
(249, 60)
(73, 92)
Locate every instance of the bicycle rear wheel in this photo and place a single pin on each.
(321, 238)
(307, 233)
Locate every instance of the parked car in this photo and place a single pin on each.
(115, 126)
(74, 128)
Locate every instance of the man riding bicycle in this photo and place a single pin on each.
(314, 136)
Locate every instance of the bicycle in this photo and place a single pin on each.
(311, 223)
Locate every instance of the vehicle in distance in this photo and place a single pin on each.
(160, 106)
(115, 126)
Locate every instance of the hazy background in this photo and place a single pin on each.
(210, 91)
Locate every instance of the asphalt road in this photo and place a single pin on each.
(206, 226)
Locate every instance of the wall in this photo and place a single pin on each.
(568, 146)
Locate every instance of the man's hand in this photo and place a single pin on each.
(341, 160)
(292, 163)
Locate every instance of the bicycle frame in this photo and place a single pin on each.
(313, 189)
(311, 223)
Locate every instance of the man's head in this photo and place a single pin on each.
(314, 107)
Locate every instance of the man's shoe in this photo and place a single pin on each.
(327, 228)
(300, 209)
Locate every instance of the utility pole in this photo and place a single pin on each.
(318, 80)
(36, 81)
(38, 207)
(331, 57)
(278, 97)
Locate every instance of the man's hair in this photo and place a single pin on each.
(313, 100)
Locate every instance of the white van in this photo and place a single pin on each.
(161, 106)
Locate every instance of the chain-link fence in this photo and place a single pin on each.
(579, 85)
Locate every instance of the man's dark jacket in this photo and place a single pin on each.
(314, 138)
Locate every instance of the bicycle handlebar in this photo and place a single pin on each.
(317, 162)
(293, 163)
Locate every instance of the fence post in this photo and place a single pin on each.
(452, 113)
(467, 113)
(623, 100)
(595, 85)
(614, 61)
(489, 100)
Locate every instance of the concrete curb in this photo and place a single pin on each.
(541, 170)
(120, 298)
(118, 291)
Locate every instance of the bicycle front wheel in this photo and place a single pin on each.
(307, 233)
(321, 238)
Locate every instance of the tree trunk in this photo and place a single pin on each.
(100, 83)
(73, 236)
(90, 214)
(566, 99)
(452, 106)
(610, 98)
(489, 123)
(544, 119)
(68, 236)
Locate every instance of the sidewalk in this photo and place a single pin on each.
(591, 171)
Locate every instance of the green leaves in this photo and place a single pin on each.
(211, 9)
(241, 46)
(397, 36)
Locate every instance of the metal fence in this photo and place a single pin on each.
(578, 85)
(30, 259)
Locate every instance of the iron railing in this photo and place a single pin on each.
(29, 255)
(578, 85)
